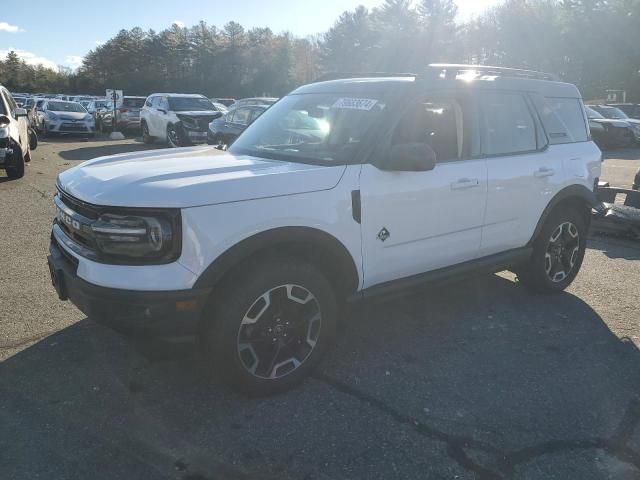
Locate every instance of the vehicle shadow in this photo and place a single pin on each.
(631, 153)
(615, 247)
(478, 376)
(94, 151)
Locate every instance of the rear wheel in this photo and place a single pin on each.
(558, 252)
(270, 330)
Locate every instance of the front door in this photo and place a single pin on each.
(414, 222)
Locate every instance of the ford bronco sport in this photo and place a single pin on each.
(343, 189)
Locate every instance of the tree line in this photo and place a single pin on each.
(592, 43)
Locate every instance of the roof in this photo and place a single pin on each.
(257, 98)
(185, 95)
(445, 76)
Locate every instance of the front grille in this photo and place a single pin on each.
(79, 206)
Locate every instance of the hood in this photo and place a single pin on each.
(610, 121)
(189, 177)
(198, 113)
(70, 115)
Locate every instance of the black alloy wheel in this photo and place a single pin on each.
(279, 331)
(562, 252)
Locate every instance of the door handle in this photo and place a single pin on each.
(465, 183)
(544, 172)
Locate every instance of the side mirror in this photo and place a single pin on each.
(20, 112)
(216, 115)
(410, 157)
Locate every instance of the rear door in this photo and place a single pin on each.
(522, 175)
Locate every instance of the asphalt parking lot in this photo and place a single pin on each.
(479, 379)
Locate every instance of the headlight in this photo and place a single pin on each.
(138, 238)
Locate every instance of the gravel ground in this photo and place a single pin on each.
(477, 379)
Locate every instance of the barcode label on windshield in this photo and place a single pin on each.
(355, 103)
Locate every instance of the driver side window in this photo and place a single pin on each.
(438, 122)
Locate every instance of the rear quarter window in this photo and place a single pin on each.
(562, 119)
(133, 102)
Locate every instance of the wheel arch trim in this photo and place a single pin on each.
(317, 240)
(578, 193)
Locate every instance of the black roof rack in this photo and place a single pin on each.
(340, 75)
(451, 70)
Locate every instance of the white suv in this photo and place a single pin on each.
(342, 190)
(179, 119)
(15, 145)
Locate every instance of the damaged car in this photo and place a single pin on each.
(178, 119)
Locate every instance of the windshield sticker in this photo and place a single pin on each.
(355, 103)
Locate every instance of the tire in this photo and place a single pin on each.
(146, 138)
(558, 252)
(174, 139)
(17, 171)
(270, 327)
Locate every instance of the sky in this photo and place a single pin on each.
(61, 32)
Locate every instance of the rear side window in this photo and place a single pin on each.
(241, 116)
(562, 118)
(508, 126)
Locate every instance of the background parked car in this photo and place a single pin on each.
(59, 116)
(609, 133)
(224, 130)
(615, 113)
(128, 115)
(14, 136)
(268, 101)
(221, 107)
(631, 109)
(179, 119)
(95, 106)
(19, 99)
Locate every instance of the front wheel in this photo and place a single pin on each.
(173, 137)
(558, 252)
(270, 327)
(146, 138)
(17, 169)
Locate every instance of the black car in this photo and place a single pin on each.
(224, 130)
(614, 113)
(636, 181)
(609, 133)
(631, 109)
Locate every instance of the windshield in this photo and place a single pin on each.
(612, 112)
(186, 104)
(65, 107)
(325, 128)
(591, 113)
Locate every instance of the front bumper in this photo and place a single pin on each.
(70, 127)
(6, 156)
(147, 313)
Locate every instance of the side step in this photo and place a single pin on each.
(491, 264)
